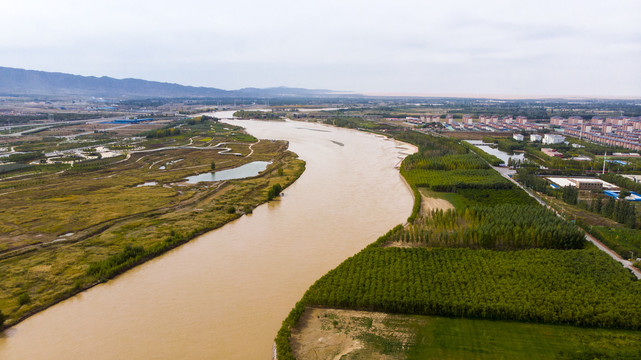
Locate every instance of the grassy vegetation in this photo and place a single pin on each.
(446, 338)
(582, 287)
(625, 242)
(68, 229)
(384, 336)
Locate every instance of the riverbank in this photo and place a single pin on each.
(111, 215)
(233, 286)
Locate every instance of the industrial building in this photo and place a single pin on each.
(581, 183)
(553, 139)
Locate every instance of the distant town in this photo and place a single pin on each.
(620, 131)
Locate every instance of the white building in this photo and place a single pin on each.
(517, 137)
(535, 137)
(553, 139)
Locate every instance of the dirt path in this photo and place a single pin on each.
(251, 149)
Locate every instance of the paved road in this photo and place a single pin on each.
(626, 264)
(48, 125)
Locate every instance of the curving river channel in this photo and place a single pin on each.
(224, 294)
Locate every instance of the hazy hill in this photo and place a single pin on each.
(30, 82)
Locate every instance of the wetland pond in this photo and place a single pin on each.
(244, 171)
(224, 294)
(496, 152)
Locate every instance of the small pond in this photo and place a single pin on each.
(496, 152)
(148, 183)
(244, 171)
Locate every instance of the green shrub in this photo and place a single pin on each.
(274, 191)
(23, 299)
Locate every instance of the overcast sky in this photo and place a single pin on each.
(466, 47)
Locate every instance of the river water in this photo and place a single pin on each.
(225, 294)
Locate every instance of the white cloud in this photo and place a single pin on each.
(530, 47)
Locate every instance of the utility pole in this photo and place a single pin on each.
(604, 156)
(581, 133)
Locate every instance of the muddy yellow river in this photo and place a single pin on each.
(224, 294)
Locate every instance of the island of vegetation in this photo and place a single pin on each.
(79, 210)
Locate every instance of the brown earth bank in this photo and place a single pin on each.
(349, 334)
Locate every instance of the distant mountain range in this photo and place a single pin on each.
(41, 83)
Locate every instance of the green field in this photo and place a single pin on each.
(446, 338)
(416, 337)
(626, 242)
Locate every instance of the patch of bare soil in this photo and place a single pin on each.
(430, 203)
(350, 334)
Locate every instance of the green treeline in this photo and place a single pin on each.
(450, 181)
(531, 180)
(5, 168)
(570, 194)
(491, 197)
(418, 198)
(445, 162)
(116, 264)
(501, 227)
(621, 211)
(578, 287)
(160, 133)
(201, 119)
(493, 160)
(26, 157)
(431, 146)
(622, 182)
(274, 191)
(264, 115)
(21, 119)
(625, 242)
(344, 121)
(131, 256)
